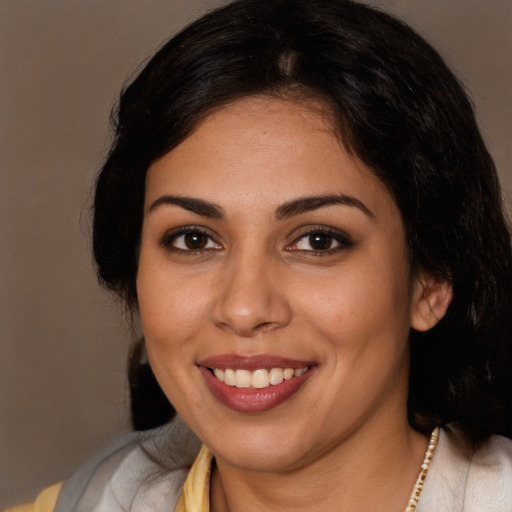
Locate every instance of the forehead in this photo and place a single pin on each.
(264, 150)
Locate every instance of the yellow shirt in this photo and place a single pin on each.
(195, 495)
(45, 502)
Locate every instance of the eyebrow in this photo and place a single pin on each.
(309, 203)
(286, 210)
(199, 206)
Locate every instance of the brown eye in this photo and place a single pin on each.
(195, 241)
(320, 241)
(188, 240)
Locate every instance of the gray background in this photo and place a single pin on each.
(64, 342)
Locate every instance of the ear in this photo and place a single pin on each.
(430, 300)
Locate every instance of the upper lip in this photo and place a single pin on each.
(252, 362)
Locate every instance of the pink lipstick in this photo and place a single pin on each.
(256, 383)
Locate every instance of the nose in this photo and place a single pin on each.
(252, 297)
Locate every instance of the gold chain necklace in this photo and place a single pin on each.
(415, 496)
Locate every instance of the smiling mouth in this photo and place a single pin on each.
(254, 383)
(257, 379)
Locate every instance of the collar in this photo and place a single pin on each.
(195, 495)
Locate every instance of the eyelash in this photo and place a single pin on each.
(170, 238)
(343, 240)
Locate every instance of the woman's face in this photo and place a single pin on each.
(271, 258)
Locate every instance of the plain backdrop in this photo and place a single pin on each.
(64, 341)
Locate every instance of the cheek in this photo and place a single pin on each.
(169, 312)
(169, 304)
(168, 297)
(363, 299)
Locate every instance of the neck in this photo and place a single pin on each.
(379, 476)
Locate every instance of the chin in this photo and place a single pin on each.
(262, 449)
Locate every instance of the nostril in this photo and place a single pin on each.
(250, 310)
(264, 326)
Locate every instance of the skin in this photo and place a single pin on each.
(257, 287)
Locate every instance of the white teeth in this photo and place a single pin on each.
(229, 377)
(243, 379)
(276, 376)
(288, 373)
(258, 379)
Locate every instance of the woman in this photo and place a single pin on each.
(311, 228)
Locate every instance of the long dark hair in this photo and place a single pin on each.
(396, 106)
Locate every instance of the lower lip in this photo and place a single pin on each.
(251, 400)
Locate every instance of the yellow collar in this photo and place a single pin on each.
(195, 495)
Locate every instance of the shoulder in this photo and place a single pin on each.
(489, 482)
(45, 502)
(479, 480)
(128, 475)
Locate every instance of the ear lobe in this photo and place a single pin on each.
(431, 298)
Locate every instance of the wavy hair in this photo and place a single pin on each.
(397, 106)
